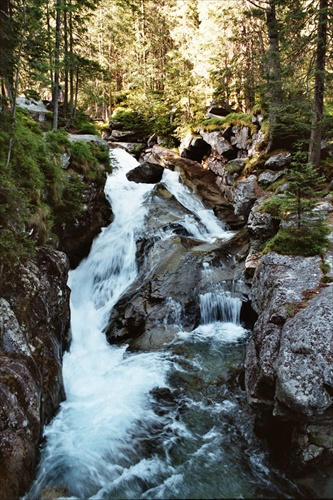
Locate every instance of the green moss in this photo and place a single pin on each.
(83, 159)
(35, 193)
(238, 119)
(234, 167)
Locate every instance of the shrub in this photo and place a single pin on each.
(133, 120)
(72, 201)
(306, 241)
(57, 141)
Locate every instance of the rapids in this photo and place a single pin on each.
(167, 424)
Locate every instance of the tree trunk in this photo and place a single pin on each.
(66, 57)
(318, 102)
(71, 65)
(55, 96)
(16, 82)
(274, 70)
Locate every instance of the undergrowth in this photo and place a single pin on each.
(36, 193)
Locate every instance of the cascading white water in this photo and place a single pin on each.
(219, 305)
(202, 224)
(112, 439)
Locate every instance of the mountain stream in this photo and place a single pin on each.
(171, 423)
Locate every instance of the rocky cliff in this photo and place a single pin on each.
(34, 328)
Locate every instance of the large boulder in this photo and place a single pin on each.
(288, 372)
(219, 143)
(149, 173)
(34, 308)
(246, 193)
(194, 148)
(278, 160)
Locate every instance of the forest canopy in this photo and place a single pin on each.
(272, 56)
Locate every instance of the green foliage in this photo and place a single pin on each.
(133, 120)
(306, 241)
(238, 119)
(84, 161)
(82, 124)
(71, 204)
(303, 187)
(293, 120)
(303, 235)
(35, 193)
(276, 206)
(57, 141)
(234, 168)
(15, 247)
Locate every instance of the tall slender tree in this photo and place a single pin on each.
(318, 101)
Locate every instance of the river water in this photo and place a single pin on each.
(169, 424)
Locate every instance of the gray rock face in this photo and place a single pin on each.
(194, 148)
(37, 109)
(34, 308)
(279, 160)
(245, 195)
(288, 369)
(87, 138)
(304, 372)
(219, 143)
(268, 177)
(261, 224)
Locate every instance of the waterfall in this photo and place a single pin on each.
(221, 306)
(148, 424)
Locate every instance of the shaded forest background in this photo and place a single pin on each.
(156, 66)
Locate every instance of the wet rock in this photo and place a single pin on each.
(172, 273)
(149, 173)
(133, 148)
(34, 309)
(201, 180)
(76, 237)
